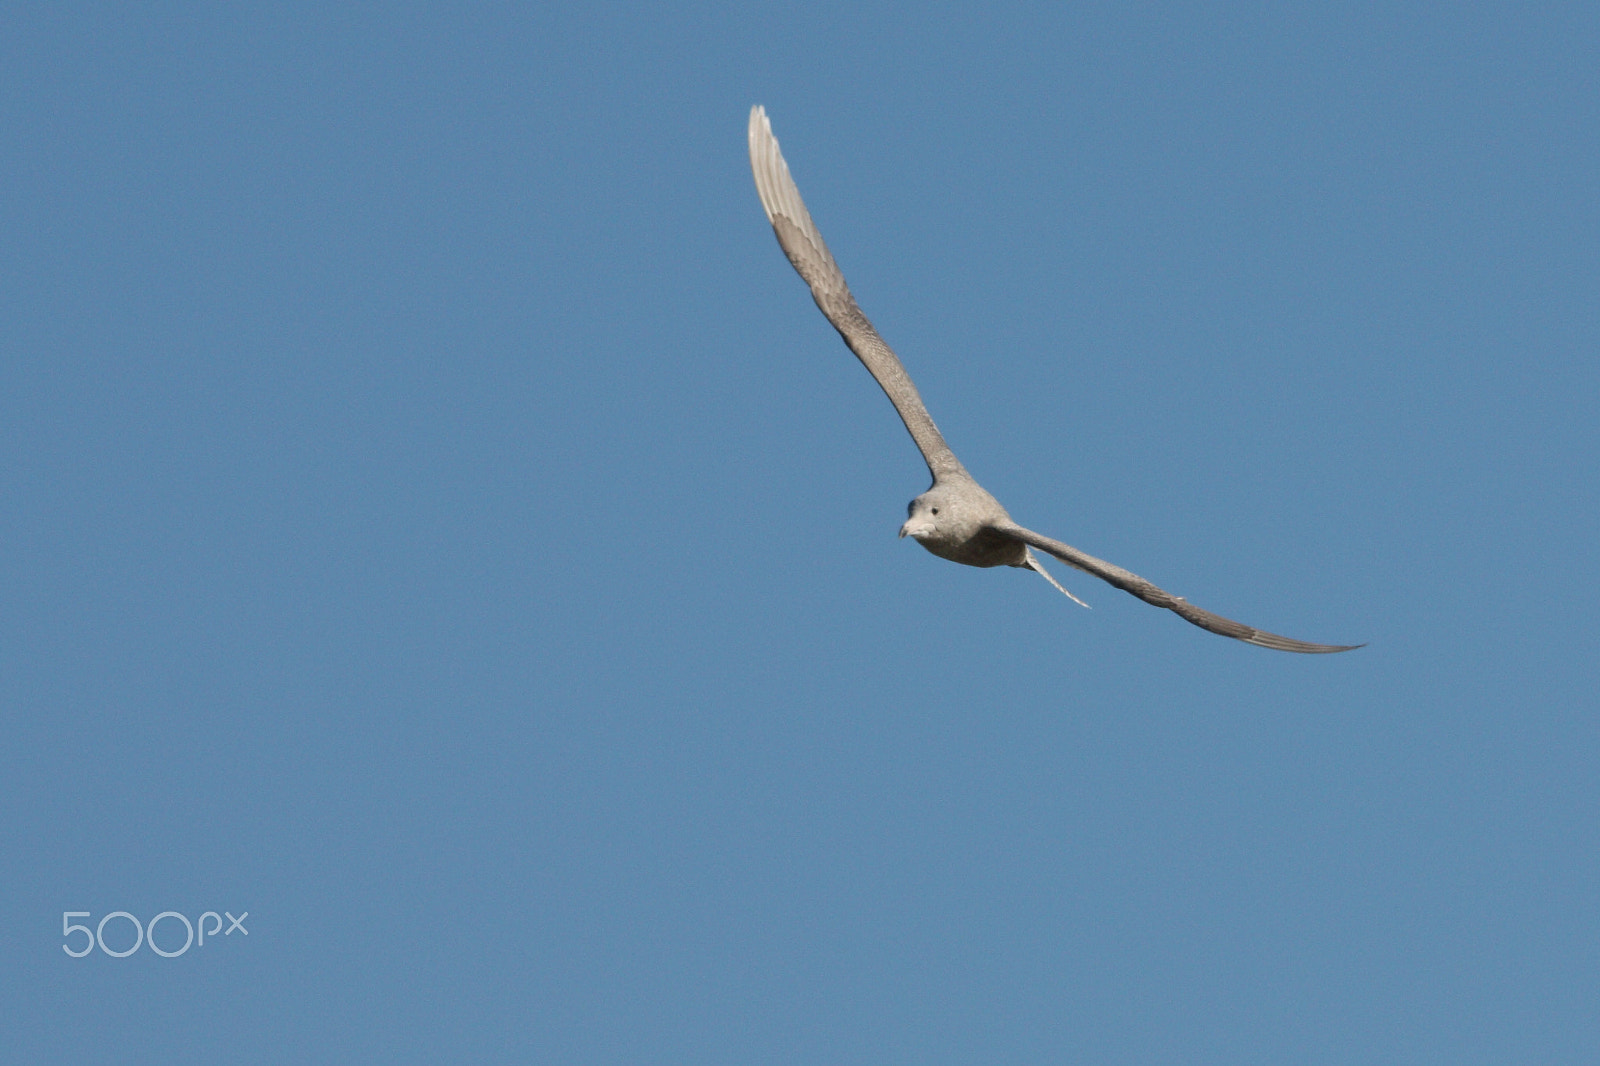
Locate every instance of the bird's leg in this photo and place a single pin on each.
(1030, 561)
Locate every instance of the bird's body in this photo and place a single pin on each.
(956, 518)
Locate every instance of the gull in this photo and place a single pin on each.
(956, 518)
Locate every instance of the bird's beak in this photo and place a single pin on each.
(914, 528)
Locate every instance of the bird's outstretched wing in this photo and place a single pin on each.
(801, 242)
(1138, 586)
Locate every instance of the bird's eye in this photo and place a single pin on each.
(936, 510)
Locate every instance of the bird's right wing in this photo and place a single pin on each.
(1138, 586)
(801, 242)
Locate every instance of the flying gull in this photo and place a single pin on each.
(955, 519)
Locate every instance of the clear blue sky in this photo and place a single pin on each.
(435, 520)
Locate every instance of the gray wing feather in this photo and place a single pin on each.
(798, 237)
(1138, 586)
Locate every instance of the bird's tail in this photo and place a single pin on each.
(1032, 562)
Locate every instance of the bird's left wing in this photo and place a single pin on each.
(1138, 586)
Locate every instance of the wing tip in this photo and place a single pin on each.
(1304, 647)
(766, 162)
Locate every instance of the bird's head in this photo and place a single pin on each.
(924, 514)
